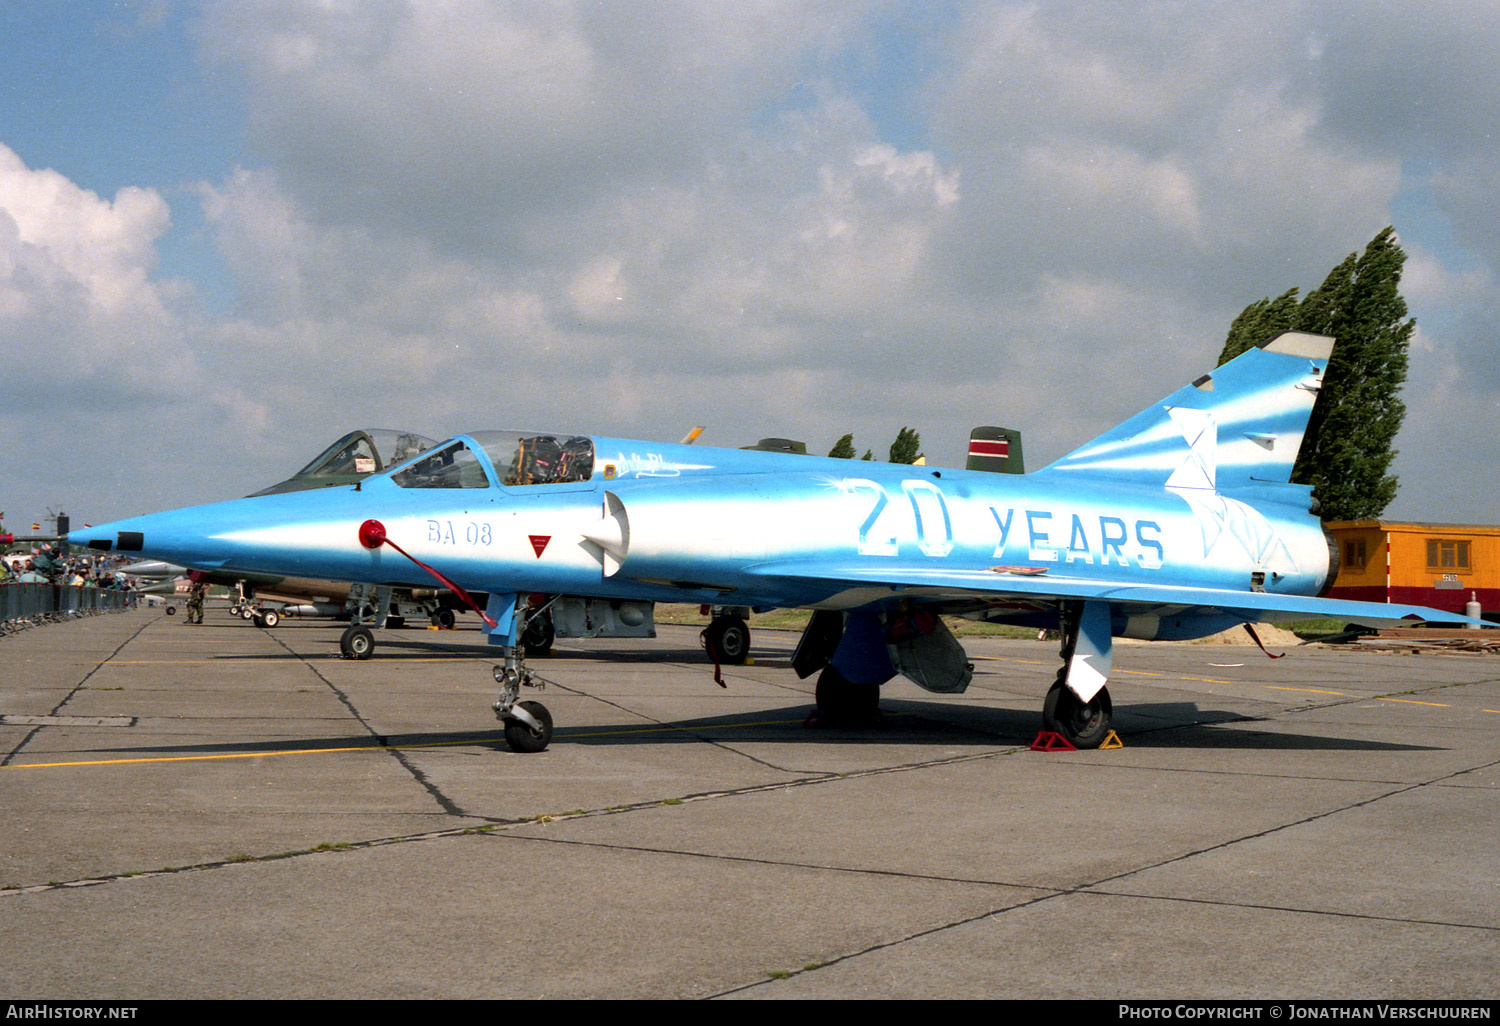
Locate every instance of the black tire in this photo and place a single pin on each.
(728, 640)
(171, 610)
(843, 703)
(269, 618)
(444, 618)
(521, 737)
(1083, 725)
(357, 642)
(539, 635)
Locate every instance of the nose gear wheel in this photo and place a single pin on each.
(528, 725)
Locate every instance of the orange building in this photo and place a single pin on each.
(1437, 565)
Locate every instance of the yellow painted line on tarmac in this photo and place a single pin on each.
(615, 732)
(1310, 691)
(201, 642)
(220, 660)
(215, 661)
(215, 645)
(234, 755)
(194, 758)
(1116, 672)
(1413, 701)
(148, 640)
(1172, 676)
(416, 660)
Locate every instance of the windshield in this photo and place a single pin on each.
(452, 466)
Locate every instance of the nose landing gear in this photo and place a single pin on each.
(528, 725)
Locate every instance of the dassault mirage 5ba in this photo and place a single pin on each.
(1179, 523)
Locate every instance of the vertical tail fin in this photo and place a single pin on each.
(1236, 429)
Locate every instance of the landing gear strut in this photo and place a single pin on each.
(528, 725)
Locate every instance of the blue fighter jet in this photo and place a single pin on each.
(1179, 523)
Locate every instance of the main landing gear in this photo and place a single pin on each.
(1082, 724)
(727, 638)
(1085, 654)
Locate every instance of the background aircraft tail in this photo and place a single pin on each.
(1234, 430)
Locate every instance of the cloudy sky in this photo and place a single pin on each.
(231, 230)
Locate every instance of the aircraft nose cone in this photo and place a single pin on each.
(107, 540)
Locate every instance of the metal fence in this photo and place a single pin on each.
(24, 604)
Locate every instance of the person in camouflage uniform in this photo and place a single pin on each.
(195, 602)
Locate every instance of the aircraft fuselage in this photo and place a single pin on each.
(662, 522)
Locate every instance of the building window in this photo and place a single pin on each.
(1447, 554)
(1354, 554)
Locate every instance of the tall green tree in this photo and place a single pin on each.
(907, 447)
(843, 449)
(1347, 452)
(1258, 322)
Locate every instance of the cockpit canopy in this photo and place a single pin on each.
(358, 454)
(519, 458)
(367, 451)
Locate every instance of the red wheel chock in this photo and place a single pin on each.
(1051, 741)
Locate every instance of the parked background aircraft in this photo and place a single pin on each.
(1178, 523)
(265, 598)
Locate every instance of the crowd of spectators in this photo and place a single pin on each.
(43, 586)
(43, 565)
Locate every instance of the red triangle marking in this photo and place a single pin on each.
(539, 543)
